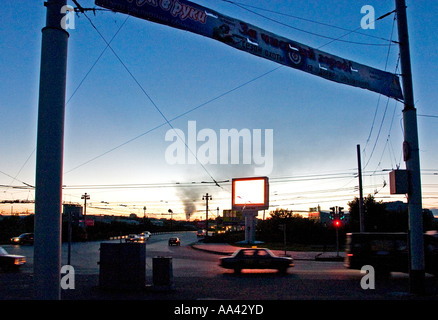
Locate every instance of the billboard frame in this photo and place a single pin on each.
(250, 206)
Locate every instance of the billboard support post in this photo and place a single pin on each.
(250, 224)
(249, 195)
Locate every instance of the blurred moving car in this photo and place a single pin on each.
(200, 233)
(132, 238)
(174, 241)
(10, 261)
(144, 236)
(255, 258)
(388, 251)
(24, 238)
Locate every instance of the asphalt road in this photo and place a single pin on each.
(197, 276)
(85, 255)
(186, 262)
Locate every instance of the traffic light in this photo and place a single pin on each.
(332, 214)
(337, 223)
(341, 213)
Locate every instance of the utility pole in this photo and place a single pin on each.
(85, 197)
(49, 157)
(411, 157)
(206, 198)
(361, 207)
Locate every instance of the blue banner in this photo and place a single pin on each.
(192, 17)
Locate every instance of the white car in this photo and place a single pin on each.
(144, 236)
(132, 238)
(10, 261)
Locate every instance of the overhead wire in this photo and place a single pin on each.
(378, 102)
(147, 95)
(315, 21)
(306, 31)
(192, 109)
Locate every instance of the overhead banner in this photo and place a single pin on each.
(192, 17)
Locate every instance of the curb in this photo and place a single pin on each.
(317, 256)
(193, 246)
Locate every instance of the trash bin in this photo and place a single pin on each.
(122, 266)
(162, 274)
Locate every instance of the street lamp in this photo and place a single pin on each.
(171, 217)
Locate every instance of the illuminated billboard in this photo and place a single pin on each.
(250, 193)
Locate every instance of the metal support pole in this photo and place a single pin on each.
(49, 159)
(250, 224)
(411, 157)
(361, 207)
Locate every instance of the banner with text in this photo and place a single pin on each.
(192, 17)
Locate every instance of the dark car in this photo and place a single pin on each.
(174, 241)
(24, 238)
(10, 261)
(255, 258)
(388, 252)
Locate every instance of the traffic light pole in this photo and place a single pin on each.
(411, 157)
(337, 214)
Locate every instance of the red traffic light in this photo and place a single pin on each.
(337, 223)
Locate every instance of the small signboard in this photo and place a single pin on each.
(89, 222)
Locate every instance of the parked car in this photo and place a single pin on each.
(132, 238)
(24, 238)
(10, 261)
(255, 258)
(174, 241)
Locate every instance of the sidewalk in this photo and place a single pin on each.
(227, 249)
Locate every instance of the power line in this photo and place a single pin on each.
(314, 21)
(427, 115)
(177, 117)
(378, 102)
(97, 60)
(145, 93)
(244, 7)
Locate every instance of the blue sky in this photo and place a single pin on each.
(110, 138)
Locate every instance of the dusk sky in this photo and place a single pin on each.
(118, 104)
